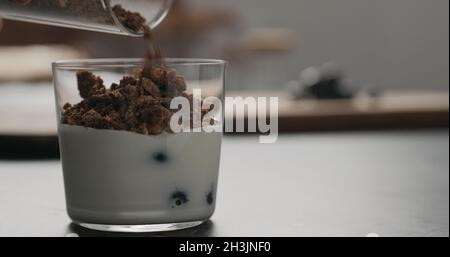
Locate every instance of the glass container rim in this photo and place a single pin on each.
(127, 62)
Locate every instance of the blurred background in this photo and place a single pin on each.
(336, 65)
(371, 76)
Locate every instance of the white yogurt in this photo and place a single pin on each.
(123, 178)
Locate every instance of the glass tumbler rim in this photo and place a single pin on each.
(75, 64)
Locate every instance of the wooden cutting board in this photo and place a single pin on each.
(28, 109)
(392, 110)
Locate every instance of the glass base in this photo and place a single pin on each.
(141, 228)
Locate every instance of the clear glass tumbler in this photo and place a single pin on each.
(95, 15)
(118, 180)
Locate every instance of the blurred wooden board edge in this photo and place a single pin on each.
(394, 110)
(374, 121)
(292, 124)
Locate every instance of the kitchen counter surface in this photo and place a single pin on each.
(327, 184)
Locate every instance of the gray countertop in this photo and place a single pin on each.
(330, 184)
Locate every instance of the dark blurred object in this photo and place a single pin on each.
(28, 147)
(329, 86)
(326, 82)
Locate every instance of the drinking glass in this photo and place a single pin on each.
(128, 182)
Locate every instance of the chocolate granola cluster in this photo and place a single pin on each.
(131, 20)
(139, 103)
